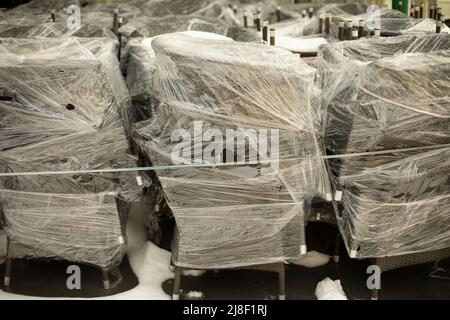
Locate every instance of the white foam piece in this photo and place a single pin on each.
(307, 45)
(195, 295)
(206, 35)
(312, 259)
(328, 289)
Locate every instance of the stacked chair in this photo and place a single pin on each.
(63, 108)
(239, 215)
(389, 22)
(387, 131)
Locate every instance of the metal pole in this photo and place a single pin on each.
(321, 23)
(115, 21)
(348, 30)
(258, 22)
(272, 37)
(327, 22)
(361, 28)
(438, 26)
(279, 13)
(341, 31)
(265, 31)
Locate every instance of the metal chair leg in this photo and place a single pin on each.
(7, 278)
(106, 284)
(337, 247)
(8, 266)
(375, 293)
(177, 284)
(282, 283)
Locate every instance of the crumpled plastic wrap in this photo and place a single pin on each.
(37, 12)
(153, 26)
(141, 66)
(44, 6)
(53, 30)
(64, 107)
(241, 214)
(387, 104)
(391, 22)
(205, 8)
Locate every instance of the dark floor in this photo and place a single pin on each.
(48, 278)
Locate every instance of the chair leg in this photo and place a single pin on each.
(106, 284)
(177, 284)
(375, 293)
(337, 247)
(282, 283)
(8, 265)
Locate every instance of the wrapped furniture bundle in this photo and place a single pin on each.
(390, 22)
(53, 30)
(140, 73)
(388, 120)
(245, 105)
(141, 69)
(37, 11)
(64, 107)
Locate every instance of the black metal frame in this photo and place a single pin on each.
(107, 284)
(277, 267)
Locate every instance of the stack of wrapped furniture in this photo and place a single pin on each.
(141, 65)
(64, 108)
(37, 11)
(240, 214)
(387, 123)
(390, 22)
(53, 30)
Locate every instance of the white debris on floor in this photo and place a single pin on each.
(193, 273)
(328, 289)
(149, 262)
(195, 295)
(312, 259)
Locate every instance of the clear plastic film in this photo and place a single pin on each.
(37, 12)
(238, 214)
(387, 120)
(64, 107)
(53, 30)
(43, 6)
(390, 22)
(141, 66)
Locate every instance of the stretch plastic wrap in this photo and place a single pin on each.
(141, 70)
(64, 107)
(53, 30)
(44, 6)
(37, 12)
(390, 22)
(205, 8)
(241, 214)
(384, 97)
